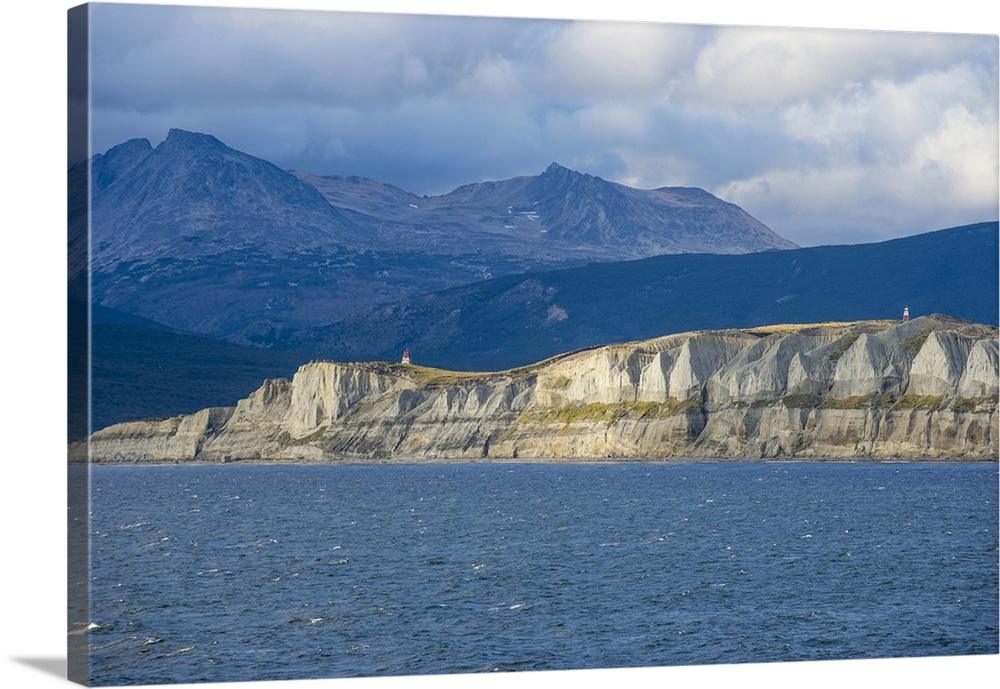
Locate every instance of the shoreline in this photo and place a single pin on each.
(550, 462)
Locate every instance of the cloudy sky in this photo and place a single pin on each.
(826, 136)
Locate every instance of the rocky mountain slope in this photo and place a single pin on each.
(210, 240)
(563, 214)
(926, 388)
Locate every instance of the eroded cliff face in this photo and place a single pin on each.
(926, 388)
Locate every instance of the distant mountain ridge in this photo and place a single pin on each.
(514, 320)
(562, 206)
(210, 240)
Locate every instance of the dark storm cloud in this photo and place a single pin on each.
(797, 126)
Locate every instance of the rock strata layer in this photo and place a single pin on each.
(926, 388)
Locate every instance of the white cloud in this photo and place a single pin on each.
(589, 59)
(833, 124)
(744, 66)
(613, 122)
(494, 77)
(880, 159)
(646, 169)
(955, 160)
(949, 177)
(883, 119)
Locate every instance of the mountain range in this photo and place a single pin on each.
(142, 370)
(210, 240)
(197, 251)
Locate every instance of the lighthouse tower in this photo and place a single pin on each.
(406, 356)
(906, 313)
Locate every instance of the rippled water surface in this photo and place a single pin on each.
(226, 573)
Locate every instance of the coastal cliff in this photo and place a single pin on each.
(926, 388)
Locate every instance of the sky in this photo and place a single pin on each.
(826, 136)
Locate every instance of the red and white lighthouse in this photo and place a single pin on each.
(406, 356)
(906, 313)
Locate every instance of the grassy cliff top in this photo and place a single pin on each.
(799, 328)
(435, 377)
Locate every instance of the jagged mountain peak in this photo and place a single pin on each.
(181, 137)
(559, 174)
(181, 147)
(555, 169)
(188, 167)
(130, 147)
(192, 196)
(118, 161)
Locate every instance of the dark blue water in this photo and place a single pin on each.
(229, 573)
